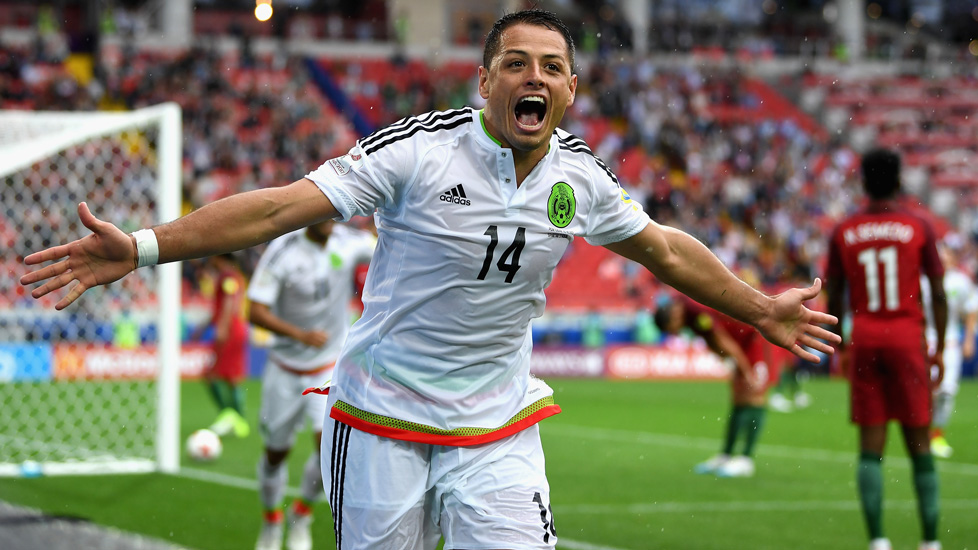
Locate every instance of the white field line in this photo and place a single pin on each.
(753, 506)
(763, 449)
(228, 480)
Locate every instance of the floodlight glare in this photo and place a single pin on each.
(263, 10)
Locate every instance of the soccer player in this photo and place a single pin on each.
(301, 292)
(751, 377)
(230, 347)
(434, 415)
(878, 254)
(959, 337)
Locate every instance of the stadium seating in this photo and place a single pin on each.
(706, 146)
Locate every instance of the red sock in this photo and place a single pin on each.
(301, 508)
(273, 516)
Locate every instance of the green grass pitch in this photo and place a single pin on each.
(619, 459)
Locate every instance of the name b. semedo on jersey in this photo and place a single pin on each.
(879, 231)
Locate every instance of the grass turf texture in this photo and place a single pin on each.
(619, 459)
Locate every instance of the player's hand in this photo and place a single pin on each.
(791, 325)
(314, 338)
(103, 257)
(936, 360)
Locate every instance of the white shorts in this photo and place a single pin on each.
(284, 409)
(388, 494)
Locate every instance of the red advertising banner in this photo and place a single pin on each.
(566, 361)
(93, 362)
(685, 363)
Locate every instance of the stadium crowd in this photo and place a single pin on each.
(700, 145)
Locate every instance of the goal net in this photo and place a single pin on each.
(93, 388)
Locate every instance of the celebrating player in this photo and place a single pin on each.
(300, 291)
(750, 379)
(878, 253)
(434, 413)
(959, 337)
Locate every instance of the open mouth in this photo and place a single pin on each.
(530, 112)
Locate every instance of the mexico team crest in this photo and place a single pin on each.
(561, 206)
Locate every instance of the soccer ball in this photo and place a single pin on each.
(204, 445)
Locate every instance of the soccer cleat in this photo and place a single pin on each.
(711, 465)
(930, 545)
(880, 544)
(240, 425)
(780, 403)
(300, 534)
(224, 423)
(738, 466)
(940, 448)
(802, 400)
(270, 537)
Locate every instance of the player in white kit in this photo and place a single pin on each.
(300, 291)
(959, 338)
(433, 429)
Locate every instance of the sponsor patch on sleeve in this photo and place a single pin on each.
(343, 165)
(627, 199)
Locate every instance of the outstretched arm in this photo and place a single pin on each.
(233, 223)
(679, 260)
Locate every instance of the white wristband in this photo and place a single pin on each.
(147, 247)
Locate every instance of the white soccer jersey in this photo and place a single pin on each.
(441, 353)
(310, 286)
(962, 299)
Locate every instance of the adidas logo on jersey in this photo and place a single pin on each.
(455, 195)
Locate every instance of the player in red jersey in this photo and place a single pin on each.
(230, 346)
(751, 378)
(878, 254)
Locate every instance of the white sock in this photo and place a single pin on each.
(312, 480)
(272, 481)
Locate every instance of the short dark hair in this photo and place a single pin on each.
(881, 173)
(663, 312)
(540, 18)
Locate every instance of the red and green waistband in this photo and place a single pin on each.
(394, 428)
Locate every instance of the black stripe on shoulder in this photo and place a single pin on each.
(408, 132)
(435, 120)
(574, 141)
(575, 144)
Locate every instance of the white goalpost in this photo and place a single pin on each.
(92, 389)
